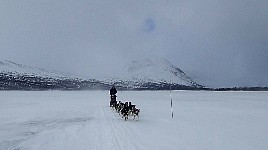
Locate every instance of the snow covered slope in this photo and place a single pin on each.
(149, 74)
(19, 69)
(154, 73)
(15, 76)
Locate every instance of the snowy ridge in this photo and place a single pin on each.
(15, 76)
(152, 71)
(157, 69)
(19, 69)
(149, 74)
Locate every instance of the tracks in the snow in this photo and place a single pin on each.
(125, 134)
(115, 130)
(100, 129)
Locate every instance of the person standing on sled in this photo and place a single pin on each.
(113, 92)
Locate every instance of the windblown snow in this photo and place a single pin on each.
(83, 120)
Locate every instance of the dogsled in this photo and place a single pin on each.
(125, 109)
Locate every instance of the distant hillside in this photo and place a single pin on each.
(153, 73)
(15, 76)
(149, 74)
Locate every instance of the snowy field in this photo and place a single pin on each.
(82, 120)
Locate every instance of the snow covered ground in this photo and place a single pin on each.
(82, 120)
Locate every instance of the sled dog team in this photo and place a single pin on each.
(125, 109)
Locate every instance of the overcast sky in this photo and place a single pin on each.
(216, 42)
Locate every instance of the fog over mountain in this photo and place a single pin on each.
(216, 43)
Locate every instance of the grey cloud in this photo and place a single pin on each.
(219, 43)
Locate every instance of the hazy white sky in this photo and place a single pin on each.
(218, 43)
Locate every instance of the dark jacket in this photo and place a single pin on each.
(113, 91)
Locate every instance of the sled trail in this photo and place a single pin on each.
(83, 120)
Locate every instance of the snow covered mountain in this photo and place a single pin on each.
(15, 76)
(149, 74)
(19, 69)
(153, 73)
